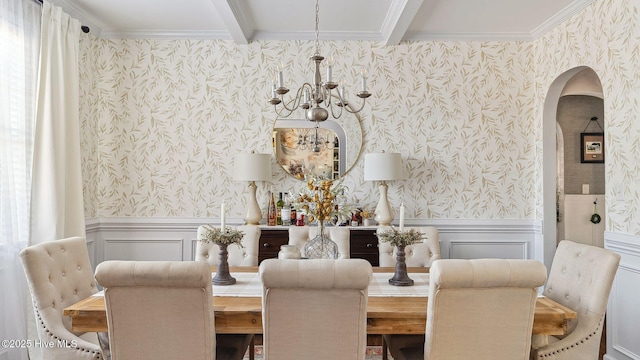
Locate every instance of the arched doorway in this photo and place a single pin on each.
(545, 249)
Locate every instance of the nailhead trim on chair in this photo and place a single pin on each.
(581, 341)
(44, 327)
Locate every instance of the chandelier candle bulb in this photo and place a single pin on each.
(280, 76)
(364, 80)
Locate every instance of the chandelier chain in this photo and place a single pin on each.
(317, 31)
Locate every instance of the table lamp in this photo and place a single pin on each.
(252, 167)
(383, 167)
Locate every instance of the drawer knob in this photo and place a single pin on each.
(266, 245)
(369, 245)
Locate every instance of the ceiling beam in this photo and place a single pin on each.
(398, 20)
(237, 19)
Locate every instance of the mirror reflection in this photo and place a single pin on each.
(328, 149)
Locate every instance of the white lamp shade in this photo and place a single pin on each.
(252, 167)
(383, 167)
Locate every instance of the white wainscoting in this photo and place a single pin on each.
(623, 312)
(175, 238)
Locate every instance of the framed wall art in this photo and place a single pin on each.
(592, 147)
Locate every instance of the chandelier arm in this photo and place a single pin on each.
(348, 108)
(333, 113)
(297, 100)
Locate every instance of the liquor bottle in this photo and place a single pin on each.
(279, 206)
(294, 216)
(271, 214)
(286, 212)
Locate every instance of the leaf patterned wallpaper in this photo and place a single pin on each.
(163, 119)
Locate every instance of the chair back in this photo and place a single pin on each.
(482, 309)
(421, 254)
(581, 277)
(299, 235)
(59, 274)
(247, 255)
(315, 309)
(158, 309)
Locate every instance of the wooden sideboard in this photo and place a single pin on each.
(363, 242)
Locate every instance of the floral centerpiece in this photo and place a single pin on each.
(214, 234)
(397, 237)
(400, 239)
(318, 199)
(222, 238)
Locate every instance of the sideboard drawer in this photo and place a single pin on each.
(364, 245)
(270, 242)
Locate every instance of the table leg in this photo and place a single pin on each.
(384, 349)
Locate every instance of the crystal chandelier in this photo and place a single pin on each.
(316, 98)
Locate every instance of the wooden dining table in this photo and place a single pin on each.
(385, 314)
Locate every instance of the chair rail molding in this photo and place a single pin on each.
(623, 313)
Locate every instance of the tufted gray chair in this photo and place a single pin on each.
(416, 255)
(299, 235)
(238, 256)
(60, 274)
(580, 279)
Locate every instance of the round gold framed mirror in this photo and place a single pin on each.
(328, 150)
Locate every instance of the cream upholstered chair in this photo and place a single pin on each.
(417, 255)
(238, 256)
(299, 235)
(580, 279)
(315, 309)
(247, 255)
(479, 309)
(421, 254)
(162, 310)
(60, 274)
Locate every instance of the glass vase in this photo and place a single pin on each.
(321, 246)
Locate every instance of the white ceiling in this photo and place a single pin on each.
(388, 21)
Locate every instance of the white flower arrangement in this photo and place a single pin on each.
(396, 237)
(215, 235)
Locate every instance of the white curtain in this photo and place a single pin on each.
(57, 208)
(19, 41)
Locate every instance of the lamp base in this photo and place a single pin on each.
(253, 215)
(384, 216)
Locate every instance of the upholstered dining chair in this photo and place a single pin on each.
(162, 310)
(315, 309)
(247, 255)
(421, 254)
(479, 309)
(581, 277)
(299, 235)
(417, 255)
(59, 274)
